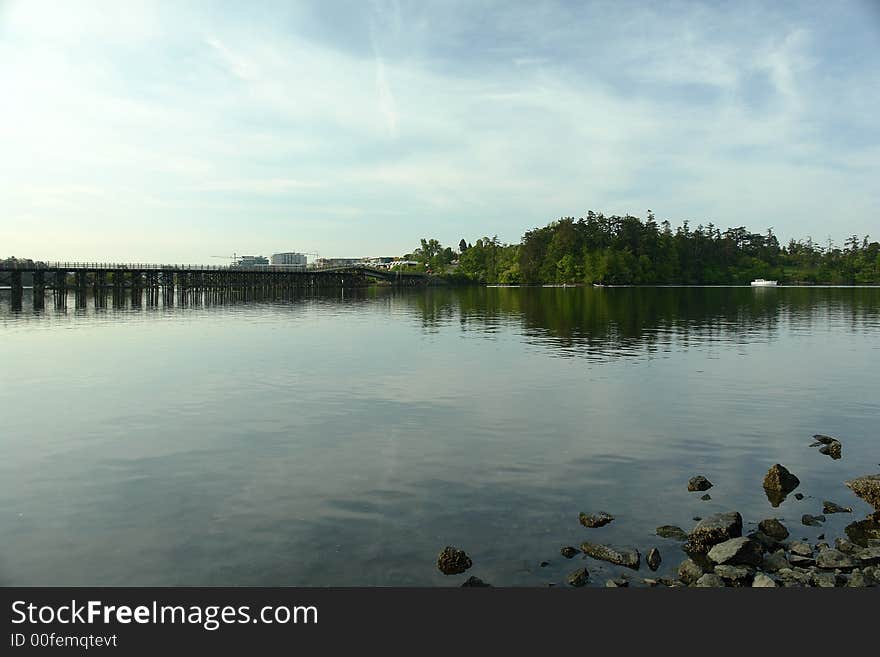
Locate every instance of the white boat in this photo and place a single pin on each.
(760, 282)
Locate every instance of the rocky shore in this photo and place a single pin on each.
(717, 554)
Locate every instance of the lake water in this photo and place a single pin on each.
(345, 439)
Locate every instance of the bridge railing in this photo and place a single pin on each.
(147, 266)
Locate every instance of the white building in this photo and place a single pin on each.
(289, 258)
(251, 261)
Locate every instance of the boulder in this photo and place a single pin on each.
(736, 574)
(712, 530)
(801, 549)
(833, 449)
(864, 532)
(770, 544)
(778, 483)
(763, 581)
(653, 559)
(578, 578)
(689, 571)
(671, 531)
(569, 552)
(825, 580)
(709, 580)
(868, 488)
(830, 559)
(621, 556)
(737, 551)
(774, 529)
(812, 521)
(699, 483)
(453, 561)
(775, 562)
(857, 579)
(801, 562)
(831, 507)
(593, 520)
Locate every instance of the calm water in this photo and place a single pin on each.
(344, 440)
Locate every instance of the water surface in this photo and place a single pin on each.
(345, 439)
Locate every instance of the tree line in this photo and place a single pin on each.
(626, 250)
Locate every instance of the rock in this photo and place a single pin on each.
(831, 559)
(593, 520)
(824, 440)
(544, 564)
(775, 562)
(569, 552)
(706, 497)
(651, 582)
(801, 549)
(868, 488)
(862, 532)
(798, 496)
(778, 483)
(845, 546)
(831, 507)
(699, 483)
(617, 582)
(825, 580)
(653, 559)
(868, 556)
(736, 574)
(789, 576)
(622, 557)
(709, 580)
(689, 571)
(763, 580)
(475, 581)
(453, 561)
(812, 521)
(578, 578)
(833, 449)
(774, 529)
(770, 544)
(857, 579)
(801, 562)
(738, 551)
(671, 531)
(715, 529)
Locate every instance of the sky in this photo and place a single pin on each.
(180, 131)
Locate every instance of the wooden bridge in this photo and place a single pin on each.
(143, 283)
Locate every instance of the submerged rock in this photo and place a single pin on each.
(763, 581)
(706, 497)
(699, 483)
(475, 581)
(774, 529)
(671, 531)
(653, 559)
(798, 496)
(628, 557)
(712, 530)
(569, 552)
(593, 520)
(831, 507)
(812, 521)
(453, 561)
(868, 488)
(578, 578)
(738, 551)
(778, 483)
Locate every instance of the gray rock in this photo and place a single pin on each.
(868, 488)
(770, 544)
(800, 548)
(653, 559)
(865, 532)
(869, 556)
(671, 531)
(823, 439)
(617, 582)
(706, 497)
(812, 521)
(737, 574)
(569, 552)
(833, 449)
(738, 551)
(453, 561)
(774, 529)
(689, 571)
(475, 581)
(763, 581)
(709, 580)
(788, 575)
(857, 579)
(578, 578)
(651, 582)
(845, 546)
(798, 496)
(712, 530)
(831, 558)
(775, 562)
(831, 507)
(699, 483)
(628, 557)
(595, 519)
(825, 580)
(801, 562)
(778, 483)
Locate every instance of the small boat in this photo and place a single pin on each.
(760, 282)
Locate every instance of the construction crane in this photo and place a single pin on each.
(231, 258)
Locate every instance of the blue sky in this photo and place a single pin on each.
(169, 131)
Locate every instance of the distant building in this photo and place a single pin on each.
(338, 262)
(251, 261)
(289, 259)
